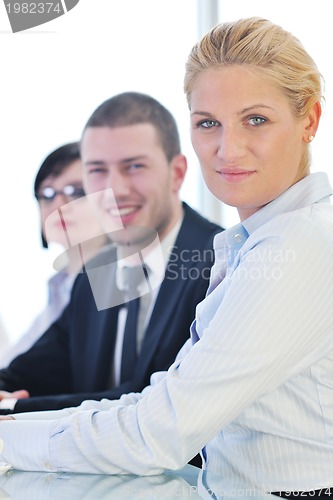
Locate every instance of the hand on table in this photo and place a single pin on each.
(22, 393)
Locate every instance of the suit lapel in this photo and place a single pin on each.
(168, 296)
(101, 274)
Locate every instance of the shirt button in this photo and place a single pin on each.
(238, 237)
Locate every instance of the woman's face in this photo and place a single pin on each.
(247, 140)
(67, 219)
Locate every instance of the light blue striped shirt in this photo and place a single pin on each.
(253, 387)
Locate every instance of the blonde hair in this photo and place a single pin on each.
(267, 48)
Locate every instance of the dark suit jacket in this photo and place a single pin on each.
(71, 361)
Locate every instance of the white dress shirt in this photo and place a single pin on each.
(253, 387)
(147, 294)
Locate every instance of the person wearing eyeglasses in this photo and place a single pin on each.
(66, 219)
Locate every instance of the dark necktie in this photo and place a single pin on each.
(133, 276)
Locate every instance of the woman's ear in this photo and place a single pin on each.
(312, 122)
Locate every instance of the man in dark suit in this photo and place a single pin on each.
(133, 171)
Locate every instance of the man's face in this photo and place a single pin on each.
(132, 181)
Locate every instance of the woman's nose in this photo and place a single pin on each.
(230, 146)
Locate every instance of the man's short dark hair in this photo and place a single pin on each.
(133, 108)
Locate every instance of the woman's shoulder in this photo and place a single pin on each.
(309, 227)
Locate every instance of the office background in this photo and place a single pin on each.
(54, 76)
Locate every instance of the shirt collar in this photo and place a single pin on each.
(313, 188)
(61, 279)
(153, 259)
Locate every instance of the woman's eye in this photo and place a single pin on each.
(207, 123)
(257, 120)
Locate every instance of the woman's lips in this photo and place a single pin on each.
(235, 175)
(62, 223)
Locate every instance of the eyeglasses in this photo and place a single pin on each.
(48, 194)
